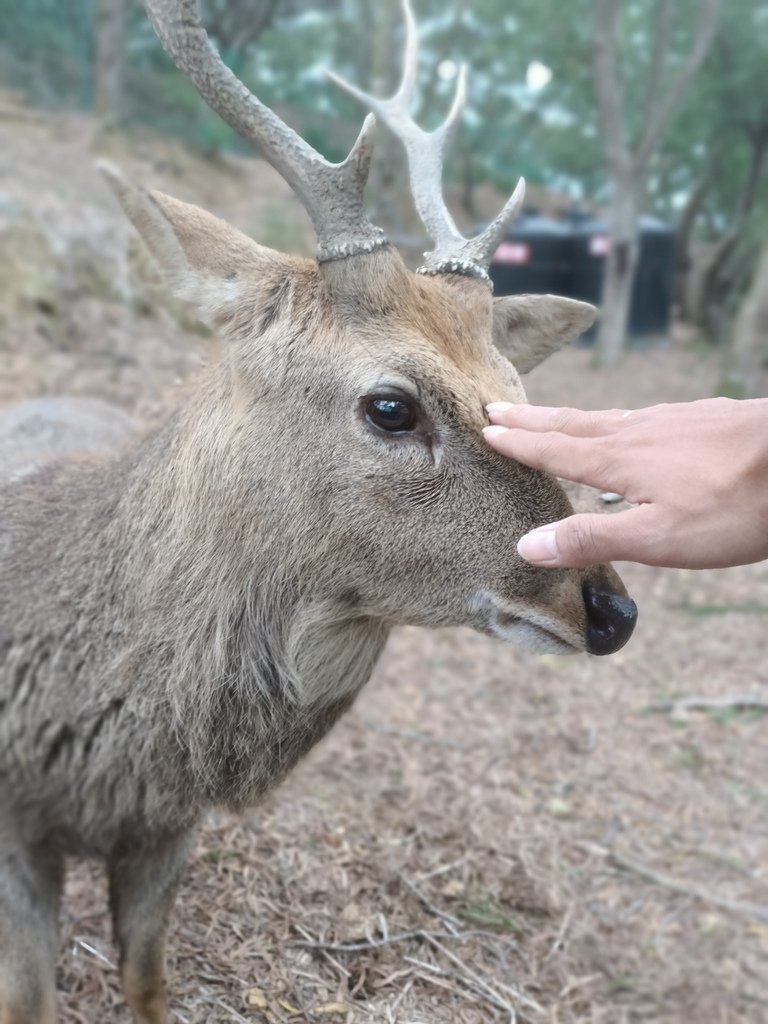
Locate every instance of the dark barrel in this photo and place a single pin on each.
(534, 258)
(567, 257)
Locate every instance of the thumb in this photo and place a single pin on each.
(584, 539)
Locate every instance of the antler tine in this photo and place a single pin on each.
(332, 194)
(481, 248)
(453, 253)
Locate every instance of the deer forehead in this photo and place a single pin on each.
(439, 335)
(458, 383)
(374, 331)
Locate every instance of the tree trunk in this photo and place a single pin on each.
(620, 268)
(109, 59)
(685, 229)
(628, 161)
(750, 340)
(714, 279)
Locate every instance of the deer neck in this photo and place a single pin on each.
(258, 659)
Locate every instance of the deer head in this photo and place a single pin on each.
(344, 421)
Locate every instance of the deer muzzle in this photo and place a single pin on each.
(593, 615)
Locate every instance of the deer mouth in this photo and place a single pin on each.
(526, 627)
(533, 635)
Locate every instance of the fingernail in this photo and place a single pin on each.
(539, 545)
(498, 406)
(494, 431)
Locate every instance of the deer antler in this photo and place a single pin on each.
(332, 194)
(452, 253)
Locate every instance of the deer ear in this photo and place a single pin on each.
(528, 328)
(203, 259)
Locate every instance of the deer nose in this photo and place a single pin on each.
(611, 617)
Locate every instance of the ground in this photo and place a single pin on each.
(487, 835)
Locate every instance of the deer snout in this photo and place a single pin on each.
(611, 618)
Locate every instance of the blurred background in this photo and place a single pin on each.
(587, 837)
(641, 127)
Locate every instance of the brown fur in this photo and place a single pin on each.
(182, 617)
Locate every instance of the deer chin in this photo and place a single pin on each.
(527, 627)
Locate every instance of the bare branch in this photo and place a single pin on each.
(670, 99)
(234, 24)
(609, 86)
(662, 30)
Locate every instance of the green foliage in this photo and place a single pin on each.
(484, 911)
(45, 50)
(549, 134)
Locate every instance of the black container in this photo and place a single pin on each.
(651, 308)
(567, 257)
(534, 258)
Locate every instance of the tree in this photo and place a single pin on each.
(237, 24)
(627, 153)
(750, 342)
(737, 151)
(109, 63)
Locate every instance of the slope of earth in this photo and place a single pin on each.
(488, 835)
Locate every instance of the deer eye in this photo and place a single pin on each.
(395, 415)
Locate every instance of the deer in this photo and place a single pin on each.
(186, 609)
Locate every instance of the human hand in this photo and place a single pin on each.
(697, 474)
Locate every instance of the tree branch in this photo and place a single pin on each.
(662, 30)
(672, 96)
(609, 87)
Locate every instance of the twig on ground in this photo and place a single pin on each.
(401, 995)
(412, 734)
(561, 932)
(491, 994)
(363, 947)
(465, 974)
(420, 934)
(575, 984)
(453, 923)
(443, 869)
(231, 1011)
(215, 1000)
(753, 910)
(737, 702)
(94, 952)
(327, 956)
(437, 975)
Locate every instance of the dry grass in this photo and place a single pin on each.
(487, 836)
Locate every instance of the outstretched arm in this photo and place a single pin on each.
(696, 474)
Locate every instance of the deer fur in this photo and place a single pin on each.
(185, 613)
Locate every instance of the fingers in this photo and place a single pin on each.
(573, 422)
(636, 535)
(580, 459)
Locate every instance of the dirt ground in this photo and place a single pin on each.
(488, 835)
